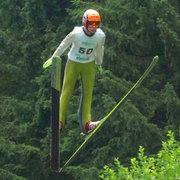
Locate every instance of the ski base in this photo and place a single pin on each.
(93, 133)
(55, 134)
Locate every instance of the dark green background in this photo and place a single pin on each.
(136, 31)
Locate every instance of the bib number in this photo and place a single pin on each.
(85, 51)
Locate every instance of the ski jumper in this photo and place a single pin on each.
(86, 52)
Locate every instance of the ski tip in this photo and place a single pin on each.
(156, 58)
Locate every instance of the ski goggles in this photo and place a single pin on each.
(94, 24)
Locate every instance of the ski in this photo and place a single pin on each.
(54, 127)
(89, 137)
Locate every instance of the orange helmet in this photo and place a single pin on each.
(91, 18)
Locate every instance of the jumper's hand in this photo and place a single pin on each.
(47, 63)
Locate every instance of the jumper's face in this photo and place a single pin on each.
(92, 26)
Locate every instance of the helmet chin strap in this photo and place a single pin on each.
(93, 31)
(88, 32)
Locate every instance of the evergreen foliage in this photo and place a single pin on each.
(136, 31)
(5, 175)
(162, 166)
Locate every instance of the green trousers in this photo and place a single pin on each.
(72, 71)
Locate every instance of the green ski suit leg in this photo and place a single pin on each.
(88, 77)
(70, 77)
(72, 72)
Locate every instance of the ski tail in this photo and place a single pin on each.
(89, 137)
(55, 135)
(54, 154)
